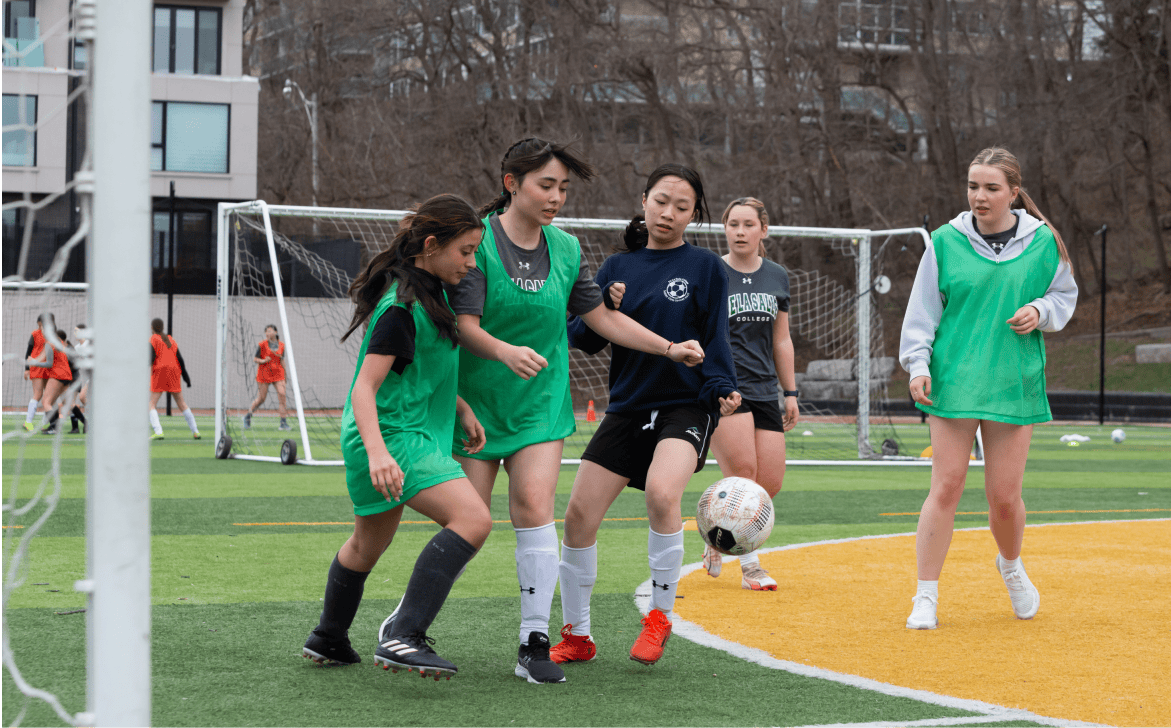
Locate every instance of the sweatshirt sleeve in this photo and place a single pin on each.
(924, 311)
(1056, 306)
(582, 336)
(719, 370)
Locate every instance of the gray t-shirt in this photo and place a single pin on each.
(754, 299)
(529, 269)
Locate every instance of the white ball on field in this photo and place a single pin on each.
(734, 516)
(1118, 435)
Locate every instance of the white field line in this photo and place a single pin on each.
(990, 713)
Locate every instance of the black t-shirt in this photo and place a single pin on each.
(394, 335)
(754, 299)
(997, 241)
(529, 269)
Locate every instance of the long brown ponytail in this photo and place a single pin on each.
(1006, 162)
(445, 217)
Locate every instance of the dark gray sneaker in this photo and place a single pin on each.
(533, 663)
(326, 651)
(412, 652)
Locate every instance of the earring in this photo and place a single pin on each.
(514, 193)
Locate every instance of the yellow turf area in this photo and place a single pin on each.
(1099, 649)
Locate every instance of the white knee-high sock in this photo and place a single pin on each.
(578, 571)
(32, 410)
(536, 570)
(190, 417)
(749, 559)
(154, 422)
(665, 553)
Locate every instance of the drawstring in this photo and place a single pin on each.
(651, 425)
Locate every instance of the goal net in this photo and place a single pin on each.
(291, 267)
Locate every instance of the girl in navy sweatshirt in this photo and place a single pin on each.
(661, 414)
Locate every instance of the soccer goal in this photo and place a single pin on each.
(291, 266)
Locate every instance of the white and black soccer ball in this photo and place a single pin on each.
(1118, 435)
(735, 516)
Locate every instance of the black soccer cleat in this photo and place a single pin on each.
(412, 652)
(328, 651)
(533, 663)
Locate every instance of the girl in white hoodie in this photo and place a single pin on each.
(991, 281)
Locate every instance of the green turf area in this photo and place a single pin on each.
(233, 600)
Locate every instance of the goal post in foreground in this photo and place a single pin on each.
(293, 265)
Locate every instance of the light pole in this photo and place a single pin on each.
(310, 111)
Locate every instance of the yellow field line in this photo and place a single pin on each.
(346, 523)
(14, 527)
(984, 513)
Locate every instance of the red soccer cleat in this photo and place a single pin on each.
(656, 629)
(573, 647)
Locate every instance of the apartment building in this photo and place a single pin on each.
(204, 115)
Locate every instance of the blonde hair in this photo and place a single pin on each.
(1006, 162)
(755, 204)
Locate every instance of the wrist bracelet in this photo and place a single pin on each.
(788, 393)
(667, 351)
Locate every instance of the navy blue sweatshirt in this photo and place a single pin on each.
(680, 294)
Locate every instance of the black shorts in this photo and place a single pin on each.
(625, 442)
(766, 414)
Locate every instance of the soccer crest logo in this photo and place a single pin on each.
(676, 289)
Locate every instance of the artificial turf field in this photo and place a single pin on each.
(235, 600)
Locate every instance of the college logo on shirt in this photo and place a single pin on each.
(676, 290)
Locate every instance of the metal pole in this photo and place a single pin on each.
(313, 133)
(1102, 338)
(862, 368)
(172, 249)
(118, 666)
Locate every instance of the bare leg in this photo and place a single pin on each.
(951, 446)
(179, 402)
(280, 396)
(671, 469)
(770, 460)
(454, 505)
(1006, 448)
(263, 394)
(482, 474)
(372, 535)
(594, 490)
(734, 446)
(532, 483)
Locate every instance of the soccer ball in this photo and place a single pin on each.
(735, 516)
(1118, 435)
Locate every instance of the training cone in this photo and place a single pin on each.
(591, 416)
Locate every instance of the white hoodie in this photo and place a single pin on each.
(925, 307)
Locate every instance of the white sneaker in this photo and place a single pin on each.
(756, 578)
(923, 612)
(713, 561)
(1026, 600)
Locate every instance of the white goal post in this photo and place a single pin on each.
(263, 250)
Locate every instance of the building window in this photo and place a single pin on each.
(187, 137)
(187, 40)
(20, 145)
(18, 19)
(870, 22)
(194, 253)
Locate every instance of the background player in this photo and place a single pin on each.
(166, 367)
(514, 370)
(59, 376)
(270, 356)
(37, 366)
(396, 435)
(991, 281)
(655, 433)
(750, 443)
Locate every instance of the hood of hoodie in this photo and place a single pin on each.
(1026, 226)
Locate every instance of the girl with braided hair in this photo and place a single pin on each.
(396, 437)
(991, 281)
(514, 370)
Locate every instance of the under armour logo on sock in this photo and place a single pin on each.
(657, 585)
(746, 279)
(529, 589)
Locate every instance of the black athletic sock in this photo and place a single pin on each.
(435, 572)
(54, 417)
(77, 416)
(343, 594)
